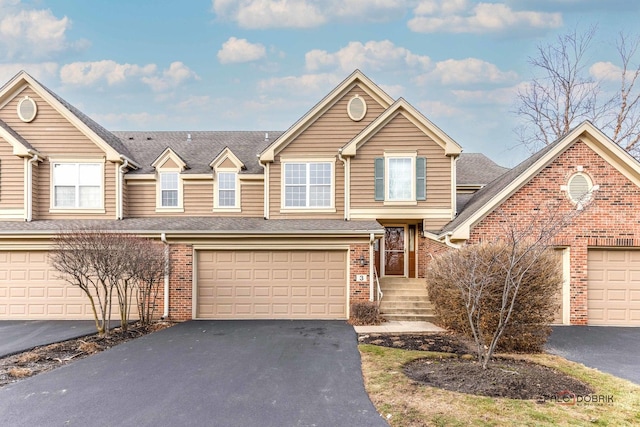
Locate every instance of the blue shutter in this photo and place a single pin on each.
(379, 178)
(421, 178)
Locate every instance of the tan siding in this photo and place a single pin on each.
(323, 138)
(227, 164)
(401, 135)
(252, 199)
(11, 178)
(141, 198)
(198, 197)
(169, 163)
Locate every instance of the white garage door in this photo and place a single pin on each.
(29, 290)
(271, 285)
(614, 287)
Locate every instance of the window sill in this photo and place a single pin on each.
(400, 203)
(307, 210)
(77, 211)
(169, 210)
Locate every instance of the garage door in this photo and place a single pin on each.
(614, 287)
(271, 285)
(29, 290)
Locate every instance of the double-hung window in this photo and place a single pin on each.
(227, 190)
(400, 178)
(308, 185)
(77, 185)
(169, 189)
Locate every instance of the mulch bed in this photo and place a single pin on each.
(509, 378)
(45, 358)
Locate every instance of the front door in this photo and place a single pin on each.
(394, 251)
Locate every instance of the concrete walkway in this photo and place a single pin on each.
(399, 327)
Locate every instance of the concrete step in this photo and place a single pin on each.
(404, 305)
(410, 318)
(396, 280)
(404, 292)
(400, 297)
(402, 310)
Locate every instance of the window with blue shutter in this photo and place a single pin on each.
(379, 178)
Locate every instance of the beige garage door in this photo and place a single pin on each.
(614, 287)
(29, 290)
(271, 285)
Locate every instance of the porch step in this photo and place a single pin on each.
(410, 318)
(408, 310)
(386, 304)
(405, 299)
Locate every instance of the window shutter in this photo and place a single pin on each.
(379, 178)
(421, 178)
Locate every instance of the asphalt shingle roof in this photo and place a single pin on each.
(200, 225)
(16, 135)
(199, 152)
(476, 168)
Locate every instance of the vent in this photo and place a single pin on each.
(357, 108)
(579, 188)
(27, 109)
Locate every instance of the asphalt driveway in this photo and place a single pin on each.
(609, 349)
(20, 335)
(206, 373)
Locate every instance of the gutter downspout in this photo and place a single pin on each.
(447, 241)
(163, 238)
(371, 267)
(30, 163)
(120, 207)
(265, 166)
(347, 189)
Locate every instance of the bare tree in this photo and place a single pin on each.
(564, 93)
(148, 268)
(482, 287)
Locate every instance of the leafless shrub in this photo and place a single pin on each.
(365, 313)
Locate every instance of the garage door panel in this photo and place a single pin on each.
(273, 284)
(613, 287)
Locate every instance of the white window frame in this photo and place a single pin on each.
(77, 208)
(387, 176)
(216, 191)
(291, 209)
(159, 189)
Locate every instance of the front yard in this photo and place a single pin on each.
(405, 402)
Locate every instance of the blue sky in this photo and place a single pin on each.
(261, 65)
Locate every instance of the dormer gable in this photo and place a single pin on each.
(357, 78)
(227, 160)
(401, 106)
(169, 160)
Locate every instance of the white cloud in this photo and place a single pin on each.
(41, 71)
(438, 109)
(89, 73)
(261, 14)
(461, 16)
(237, 50)
(372, 55)
(466, 71)
(605, 71)
(142, 120)
(32, 33)
(307, 84)
(113, 73)
(174, 76)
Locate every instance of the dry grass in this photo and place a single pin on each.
(404, 402)
(26, 358)
(89, 347)
(18, 372)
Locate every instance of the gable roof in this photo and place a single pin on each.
(112, 146)
(356, 78)
(167, 154)
(425, 125)
(200, 151)
(476, 169)
(487, 199)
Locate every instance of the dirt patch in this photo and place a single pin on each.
(444, 343)
(509, 378)
(45, 358)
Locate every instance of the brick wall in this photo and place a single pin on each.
(427, 250)
(358, 291)
(181, 282)
(611, 220)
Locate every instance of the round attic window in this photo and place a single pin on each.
(579, 188)
(356, 108)
(27, 109)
